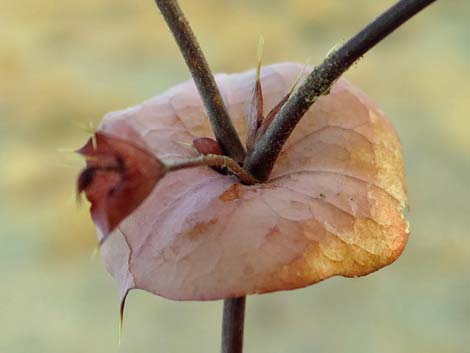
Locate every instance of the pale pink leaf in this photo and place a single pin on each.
(333, 205)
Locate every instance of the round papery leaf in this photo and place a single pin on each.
(332, 206)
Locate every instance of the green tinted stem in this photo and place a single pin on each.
(262, 158)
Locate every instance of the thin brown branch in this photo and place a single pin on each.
(262, 158)
(214, 160)
(222, 126)
(232, 325)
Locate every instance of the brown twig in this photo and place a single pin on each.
(262, 158)
(214, 160)
(222, 126)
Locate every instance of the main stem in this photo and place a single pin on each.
(224, 131)
(232, 325)
(261, 160)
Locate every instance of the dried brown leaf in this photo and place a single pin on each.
(333, 206)
(119, 175)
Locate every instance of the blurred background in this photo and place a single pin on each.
(63, 64)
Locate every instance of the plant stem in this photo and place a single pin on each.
(222, 126)
(262, 158)
(225, 134)
(214, 160)
(232, 325)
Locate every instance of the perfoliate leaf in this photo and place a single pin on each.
(332, 206)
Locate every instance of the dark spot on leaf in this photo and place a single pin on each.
(85, 178)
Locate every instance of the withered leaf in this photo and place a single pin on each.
(270, 117)
(119, 175)
(206, 145)
(333, 205)
(255, 111)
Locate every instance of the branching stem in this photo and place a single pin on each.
(222, 126)
(262, 158)
(214, 160)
